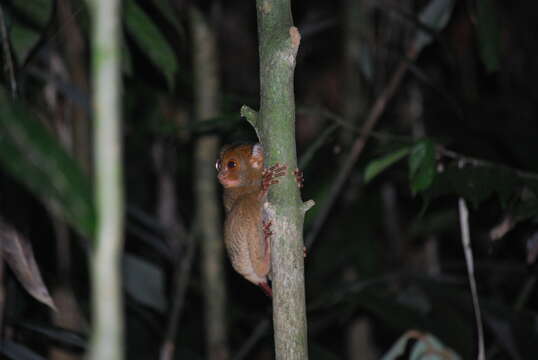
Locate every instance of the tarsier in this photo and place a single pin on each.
(247, 234)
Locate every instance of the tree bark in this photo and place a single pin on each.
(209, 225)
(278, 44)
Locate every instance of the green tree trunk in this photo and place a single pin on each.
(278, 44)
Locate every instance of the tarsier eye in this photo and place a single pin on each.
(217, 165)
(231, 164)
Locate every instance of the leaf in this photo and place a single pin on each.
(37, 12)
(150, 39)
(169, 13)
(426, 346)
(422, 165)
(15, 351)
(23, 40)
(17, 253)
(27, 20)
(434, 16)
(489, 34)
(144, 282)
(34, 157)
(66, 337)
(475, 183)
(126, 59)
(375, 167)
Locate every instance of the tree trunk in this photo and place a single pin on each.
(209, 225)
(278, 44)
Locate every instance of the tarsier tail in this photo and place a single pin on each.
(266, 289)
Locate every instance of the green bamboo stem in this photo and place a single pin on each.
(107, 335)
(206, 149)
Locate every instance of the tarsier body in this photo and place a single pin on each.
(246, 232)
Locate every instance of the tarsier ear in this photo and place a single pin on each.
(257, 156)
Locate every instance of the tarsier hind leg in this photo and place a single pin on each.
(267, 257)
(260, 251)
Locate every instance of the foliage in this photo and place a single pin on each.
(470, 96)
(35, 157)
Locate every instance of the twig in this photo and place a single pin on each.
(525, 293)
(7, 55)
(2, 293)
(373, 116)
(317, 144)
(181, 282)
(381, 135)
(155, 242)
(256, 335)
(339, 120)
(467, 250)
(480, 162)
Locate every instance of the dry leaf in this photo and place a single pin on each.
(17, 253)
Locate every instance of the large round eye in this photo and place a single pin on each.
(218, 165)
(231, 164)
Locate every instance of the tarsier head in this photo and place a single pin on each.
(240, 165)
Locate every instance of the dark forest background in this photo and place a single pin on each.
(460, 123)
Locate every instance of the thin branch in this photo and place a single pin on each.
(8, 56)
(468, 251)
(374, 115)
(2, 293)
(525, 293)
(257, 334)
(182, 276)
(383, 135)
(480, 162)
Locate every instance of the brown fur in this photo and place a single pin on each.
(248, 248)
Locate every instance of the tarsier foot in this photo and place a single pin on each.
(270, 174)
(299, 177)
(267, 229)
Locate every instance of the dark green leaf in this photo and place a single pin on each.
(422, 165)
(14, 351)
(475, 183)
(34, 157)
(489, 34)
(168, 12)
(23, 41)
(66, 337)
(375, 167)
(26, 24)
(150, 39)
(36, 12)
(126, 60)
